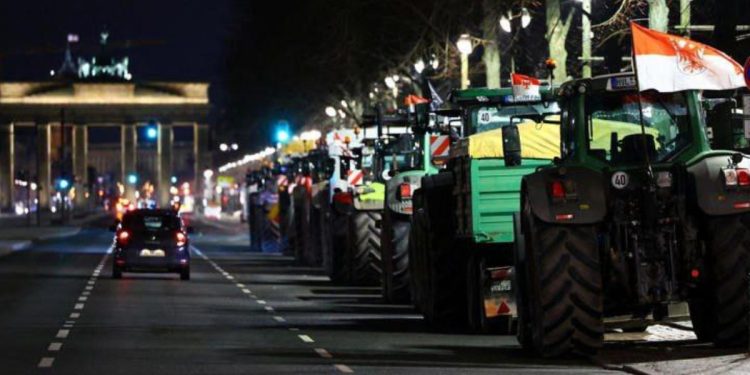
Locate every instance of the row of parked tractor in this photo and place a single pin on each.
(554, 215)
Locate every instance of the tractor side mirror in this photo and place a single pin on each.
(511, 145)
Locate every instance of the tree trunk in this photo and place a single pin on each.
(491, 54)
(658, 15)
(557, 33)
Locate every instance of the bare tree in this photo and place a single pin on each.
(557, 33)
(658, 15)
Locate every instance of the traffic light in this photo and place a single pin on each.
(132, 178)
(282, 131)
(151, 132)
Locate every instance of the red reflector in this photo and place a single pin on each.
(564, 217)
(343, 198)
(404, 191)
(181, 239)
(740, 205)
(503, 309)
(557, 190)
(120, 261)
(743, 177)
(695, 273)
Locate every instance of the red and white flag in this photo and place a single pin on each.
(668, 63)
(525, 87)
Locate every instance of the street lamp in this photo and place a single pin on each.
(223, 147)
(419, 66)
(330, 111)
(465, 46)
(344, 104)
(235, 146)
(507, 26)
(389, 82)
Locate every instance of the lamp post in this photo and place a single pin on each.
(507, 26)
(465, 47)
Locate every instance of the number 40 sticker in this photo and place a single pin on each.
(620, 180)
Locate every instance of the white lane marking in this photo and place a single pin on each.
(246, 291)
(75, 315)
(70, 322)
(67, 326)
(240, 285)
(305, 338)
(293, 329)
(230, 277)
(88, 287)
(63, 333)
(83, 298)
(46, 362)
(269, 308)
(85, 293)
(323, 353)
(78, 306)
(261, 302)
(279, 319)
(54, 346)
(90, 283)
(343, 368)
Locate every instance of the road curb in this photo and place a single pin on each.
(10, 247)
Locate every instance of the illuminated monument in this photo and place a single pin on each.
(99, 92)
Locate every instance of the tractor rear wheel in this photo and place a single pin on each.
(363, 256)
(395, 245)
(563, 288)
(337, 269)
(417, 265)
(720, 311)
(445, 293)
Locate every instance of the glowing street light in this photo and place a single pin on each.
(389, 82)
(223, 147)
(465, 47)
(330, 111)
(132, 179)
(525, 18)
(342, 114)
(505, 24)
(235, 146)
(419, 66)
(344, 104)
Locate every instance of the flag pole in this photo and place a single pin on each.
(649, 169)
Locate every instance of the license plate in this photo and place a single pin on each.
(152, 253)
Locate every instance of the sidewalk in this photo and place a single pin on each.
(16, 235)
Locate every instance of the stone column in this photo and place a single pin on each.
(44, 168)
(80, 164)
(129, 148)
(164, 163)
(202, 158)
(7, 164)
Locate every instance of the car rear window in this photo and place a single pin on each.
(150, 222)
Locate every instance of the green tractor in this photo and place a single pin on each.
(461, 242)
(637, 216)
(423, 152)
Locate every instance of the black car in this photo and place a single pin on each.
(151, 240)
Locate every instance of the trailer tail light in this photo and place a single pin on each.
(743, 177)
(123, 237)
(181, 239)
(742, 205)
(404, 191)
(557, 190)
(564, 217)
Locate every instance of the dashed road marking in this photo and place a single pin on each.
(88, 287)
(75, 315)
(78, 306)
(230, 277)
(246, 291)
(46, 362)
(83, 298)
(67, 326)
(240, 285)
(279, 319)
(269, 308)
(323, 353)
(305, 338)
(85, 293)
(343, 368)
(261, 302)
(54, 346)
(63, 333)
(70, 322)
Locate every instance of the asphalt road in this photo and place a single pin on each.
(243, 313)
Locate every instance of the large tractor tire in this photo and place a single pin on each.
(562, 288)
(395, 247)
(363, 255)
(313, 239)
(445, 293)
(416, 248)
(720, 313)
(334, 247)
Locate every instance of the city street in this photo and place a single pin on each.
(246, 313)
